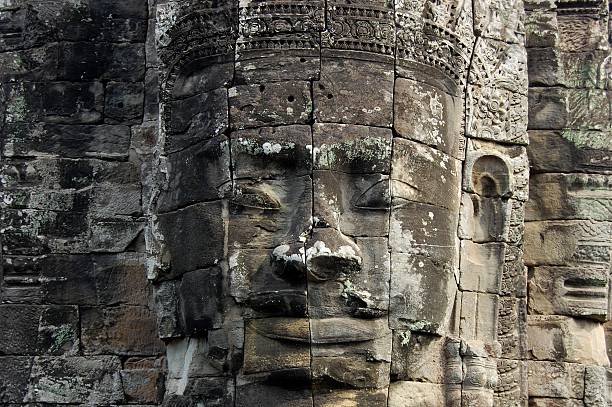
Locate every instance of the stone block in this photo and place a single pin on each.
(303, 65)
(117, 236)
(569, 150)
(429, 115)
(124, 102)
(36, 64)
(265, 212)
(352, 371)
(68, 141)
(413, 394)
(500, 112)
(585, 69)
(364, 363)
(572, 291)
(186, 248)
(105, 61)
(569, 196)
(77, 379)
(548, 108)
(481, 266)
(479, 316)
(286, 388)
(122, 330)
(188, 358)
(195, 118)
(423, 174)
(422, 293)
(151, 97)
(595, 387)
(195, 174)
(356, 204)
(554, 402)
(555, 379)
(33, 232)
(200, 296)
(512, 327)
(424, 229)
(14, 377)
(143, 381)
(53, 102)
(338, 101)
(350, 41)
(113, 200)
(21, 329)
(511, 388)
(419, 357)
(59, 330)
(367, 292)
(90, 22)
(581, 33)
(352, 149)
(121, 279)
(351, 398)
(214, 391)
(545, 65)
(269, 285)
(584, 109)
(200, 75)
(568, 243)
(271, 152)
(166, 310)
(277, 103)
(541, 28)
(484, 219)
(69, 280)
(564, 339)
(276, 343)
(21, 280)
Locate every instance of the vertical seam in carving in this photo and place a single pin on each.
(312, 203)
(466, 121)
(390, 192)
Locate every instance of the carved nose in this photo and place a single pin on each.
(331, 255)
(290, 262)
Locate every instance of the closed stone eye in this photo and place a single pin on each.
(252, 197)
(376, 197)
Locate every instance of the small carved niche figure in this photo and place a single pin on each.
(487, 183)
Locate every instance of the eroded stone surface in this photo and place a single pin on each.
(364, 203)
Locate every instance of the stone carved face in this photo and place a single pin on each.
(307, 220)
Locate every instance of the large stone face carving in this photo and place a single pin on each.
(316, 220)
(305, 203)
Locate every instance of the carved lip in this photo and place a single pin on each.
(279, 302)
(329, 267)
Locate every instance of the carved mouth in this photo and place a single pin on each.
(279, 302)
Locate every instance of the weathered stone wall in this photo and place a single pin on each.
(567, 220)
(76, 319)
(135, 138)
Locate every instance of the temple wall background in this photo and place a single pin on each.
(78, 121)
(567, 219)
(80, 125)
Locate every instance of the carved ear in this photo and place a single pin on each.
(488, 175)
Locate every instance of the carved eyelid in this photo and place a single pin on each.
(375, 197)
(253, 197)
